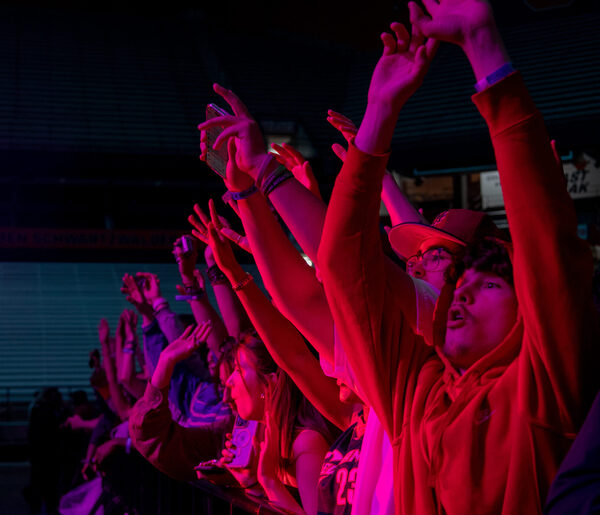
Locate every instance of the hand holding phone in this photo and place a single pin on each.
(243, 136)
(215, 159)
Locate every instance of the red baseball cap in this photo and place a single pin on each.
(455, 226)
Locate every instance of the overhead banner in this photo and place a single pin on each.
(583, 181)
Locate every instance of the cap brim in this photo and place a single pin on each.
(407, 238)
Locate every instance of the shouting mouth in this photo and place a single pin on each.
(456, 317)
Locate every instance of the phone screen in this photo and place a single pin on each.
(216, 159)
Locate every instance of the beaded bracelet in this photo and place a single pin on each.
(243, 283)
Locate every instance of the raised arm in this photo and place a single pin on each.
(172, 449)
(234, 318)
(300, 209)
(280, 337)
(369, 297)
(193, 282)
(291, 282)
(127, 376)
(394, 199)
(118, 400)
(552, 265)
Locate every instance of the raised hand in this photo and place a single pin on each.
(401, 68)
(198, 280)
(222, 250)
(200, 223)
(239, 239)
(190, 341)
(296, 163)
(186, 261)
(130, 321)
(103, 332)
(135, 296)
(248, 146)
(454, 21)
(398, 74)
(343, 124)
(467, 23)
(150, 286)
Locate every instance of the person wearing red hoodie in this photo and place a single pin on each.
(480, 421)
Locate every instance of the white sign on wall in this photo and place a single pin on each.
(583, 180)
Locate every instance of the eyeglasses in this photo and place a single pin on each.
(431, 259)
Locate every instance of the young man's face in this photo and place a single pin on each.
(431, 261)
(482, 313)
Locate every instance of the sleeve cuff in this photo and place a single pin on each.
(154, 396)
(505, 103)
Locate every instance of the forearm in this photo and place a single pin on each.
(234, 317)
(203, 310)
(170, 324)
(377, 128)
(277, 493)
(365, 295)
(154, 343)
(162, 373)
(398, 206)
(288, 278)
(172, 449)
(485, 50)
(116, 394)
(302, 212)
(289, 350)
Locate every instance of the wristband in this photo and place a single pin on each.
(215, 276)
(189, 297)
(239, 195)
(192, 290)
(193, 286)
(495, 76)
(243, 283)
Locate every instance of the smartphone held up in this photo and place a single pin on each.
(215, 159)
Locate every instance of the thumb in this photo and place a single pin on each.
(232, 149)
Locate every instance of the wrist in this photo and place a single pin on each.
(215, 275)
(377, 128)
(236, 275)
(163, 372)
(485, 51)
(158, 304)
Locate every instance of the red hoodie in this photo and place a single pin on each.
(490, 440)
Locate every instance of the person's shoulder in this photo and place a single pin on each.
(308, 441)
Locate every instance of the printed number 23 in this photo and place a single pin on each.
(343, 478)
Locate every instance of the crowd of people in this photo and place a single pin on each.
(454, 383)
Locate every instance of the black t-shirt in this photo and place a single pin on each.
(338, 474)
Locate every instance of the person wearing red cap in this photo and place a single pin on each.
(479, 421)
